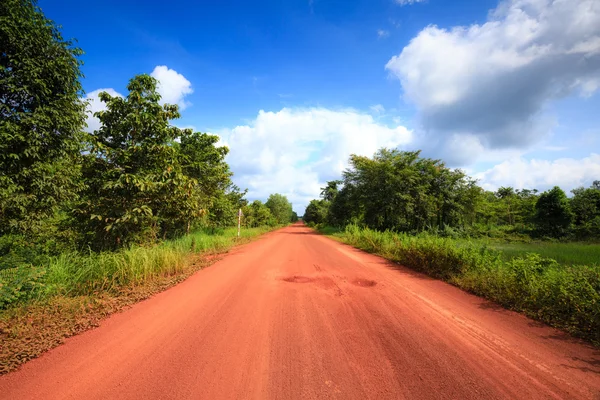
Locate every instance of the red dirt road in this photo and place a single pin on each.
(296, 315)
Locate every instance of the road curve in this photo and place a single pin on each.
(296, 315)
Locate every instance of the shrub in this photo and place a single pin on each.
(21, 283)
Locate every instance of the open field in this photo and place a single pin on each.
(576, 253)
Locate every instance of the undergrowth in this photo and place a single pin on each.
(75, 274)
(567, 297)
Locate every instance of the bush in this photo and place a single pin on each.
(19, 284)
(74, 273)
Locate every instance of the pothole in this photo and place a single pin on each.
(364, 282)
(297, 279)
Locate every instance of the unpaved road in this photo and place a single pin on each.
(296, 315)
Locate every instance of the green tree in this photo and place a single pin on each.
(507, 196)
(41, 117)
(204, 162)
(553, 214)
(329, 192)
(316, 212)
(225, 207)
(586, 208)
(401, 191)
(258, 214)
(135, 188)
(280, 207)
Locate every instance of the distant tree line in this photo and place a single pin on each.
(404, 192)
(137, 179)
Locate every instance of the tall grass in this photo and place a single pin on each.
(564, 296)
(72, 274)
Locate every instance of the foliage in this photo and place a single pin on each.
(401, 191)
(258, 214)
(203, 161)
(19, 284)
(280, 207)
(316, 212)
(586, 207)
(553, 215)
(225, 207)
(75, 273)
(134, 183)
(41, 117)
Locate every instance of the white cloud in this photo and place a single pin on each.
(172, 86)
(568, 173)
(381, 33)
(95, 105)
(405, 2)
(295, 151)
(493, 80)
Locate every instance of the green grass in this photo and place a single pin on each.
(562, 295)
(563, 253)
(74, 274)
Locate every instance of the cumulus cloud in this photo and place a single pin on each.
(489, 83)
(172, 86)
(95, 105)
(294, 151)
(568, 173)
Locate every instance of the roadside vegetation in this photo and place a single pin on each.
(101, 215)
(533, 252)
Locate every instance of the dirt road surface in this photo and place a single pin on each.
(296, 315)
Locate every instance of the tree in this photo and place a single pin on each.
(399, 190)
(507, 195)
(135, 188)
(41, 117)
(329, 192)
(280, 207)
(257, 214)
(553, 214)
(586, 209)
(225, 207)
(316, 212)
(204, 162)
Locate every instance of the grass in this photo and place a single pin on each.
(563, 253)
(73, 274)
(72, 293)
(565, 296)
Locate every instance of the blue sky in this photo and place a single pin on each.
(505, 90)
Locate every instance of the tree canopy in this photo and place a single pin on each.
(402, 191)
(41, 117)
(280, 207)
